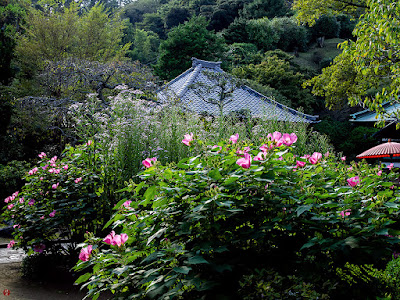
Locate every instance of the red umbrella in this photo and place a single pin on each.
(389, 149)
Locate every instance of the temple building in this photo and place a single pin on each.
(206, 89)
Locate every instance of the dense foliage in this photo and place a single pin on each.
(276, 71)
(230, 211)
(367, 70)
(12, 14)
(64, 197)
(199, 227)
(188, 40)
(61, 200)
(55, 35)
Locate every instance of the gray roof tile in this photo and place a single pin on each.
(244, 98)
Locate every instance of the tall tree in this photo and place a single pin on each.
(265, 8)
(291, 35)
(55, 35)
(277, 72)
(262, 33)
(368, 70)
(176, 16)
(308, 11)
(135, 10)
(191, 39)
(153, 22)
(12, 15)
(224, 13)
(145, 46)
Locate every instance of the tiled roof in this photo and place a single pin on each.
(371, 116)
(243, 97)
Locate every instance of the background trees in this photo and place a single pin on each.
(12, 15)
(276, 72)
(144, 46)
(368, 70)
(55, 35)
(191, 39)
(265, 8)
(308, 11)
(62, 38)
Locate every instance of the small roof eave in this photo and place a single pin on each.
(368, 116)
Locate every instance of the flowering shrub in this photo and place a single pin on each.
(10, 177)
(131, 129)
(196, 228)
(62, 199)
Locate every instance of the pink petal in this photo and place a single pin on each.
(124, 238)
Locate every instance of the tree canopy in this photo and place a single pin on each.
(368, 70)
(308, 11)
(191, 39)
(276, 72)
(12, 14)
(55, 35)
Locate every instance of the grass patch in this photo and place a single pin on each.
(314, 56)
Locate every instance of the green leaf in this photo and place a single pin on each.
(167, 174)
(119, 271)
(96, 296)
(83, 278)
(183, 270)
(156, 235)
(302, 209)
(195, 260)
(307, 245)
(214, 174)
(385, 193)
(160, 201)
(391, 204)
(268, 175)
(221, 249)
(231, 179)
(139, 187)
(117, 217)
(352, 242)
(100, 191)
(384, 231)
(150, 193)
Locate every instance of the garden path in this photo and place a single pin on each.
(14, 287)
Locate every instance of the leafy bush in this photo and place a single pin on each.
(131, 129)
(292, 36)
(196, 227)
(370, 281)
(62, 199)
(269, 284)
(262, 34)
(242, 54)
(11, 177)
(327, 26)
